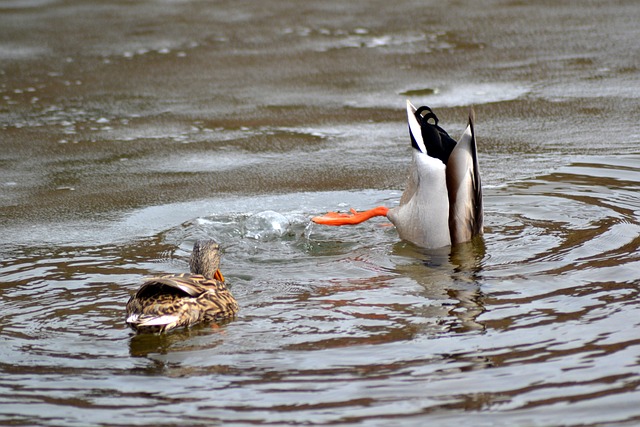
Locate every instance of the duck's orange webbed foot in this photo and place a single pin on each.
(355, 217)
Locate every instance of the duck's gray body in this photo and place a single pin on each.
(442, 203)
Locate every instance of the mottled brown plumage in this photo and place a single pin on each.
(174, 300)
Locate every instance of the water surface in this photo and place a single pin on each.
(128, 131)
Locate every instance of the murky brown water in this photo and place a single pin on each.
(128, 130)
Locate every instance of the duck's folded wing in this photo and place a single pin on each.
(465, 188)
(189, 284)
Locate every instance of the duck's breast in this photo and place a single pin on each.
(423, 215)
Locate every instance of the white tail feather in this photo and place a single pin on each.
(414, 126)
(152, 321)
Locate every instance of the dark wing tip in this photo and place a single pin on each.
(478, 208)
(472, 118)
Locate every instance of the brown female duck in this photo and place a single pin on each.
(174, 300)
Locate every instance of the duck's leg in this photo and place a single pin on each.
(335, 218)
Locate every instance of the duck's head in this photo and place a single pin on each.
(205, 259)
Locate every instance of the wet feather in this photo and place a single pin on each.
(177, 300)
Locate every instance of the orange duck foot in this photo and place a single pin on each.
(355, 217)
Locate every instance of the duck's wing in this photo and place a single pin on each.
(465, 188)
(192, 285)
(218, 304)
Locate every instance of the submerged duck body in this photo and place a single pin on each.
(170, 301)
(442, 202)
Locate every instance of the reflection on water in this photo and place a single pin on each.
(536, 319)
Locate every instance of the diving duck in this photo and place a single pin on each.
(442, 202)
(174, 300)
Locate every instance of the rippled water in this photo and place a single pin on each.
(537, 322)
(129, 130)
